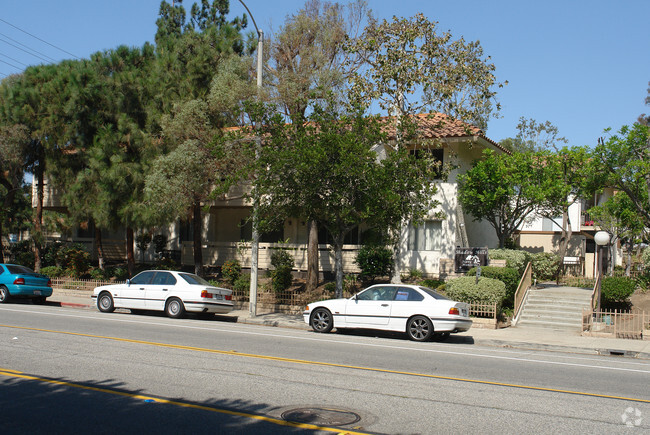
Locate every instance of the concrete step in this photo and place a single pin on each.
(558, 299)
(559, 318)
(548, 314)
(564, 326)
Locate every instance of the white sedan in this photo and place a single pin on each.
(419, 311)
(164, 290)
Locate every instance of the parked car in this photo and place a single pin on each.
(418, 311)
(163, 290)
(22, 282)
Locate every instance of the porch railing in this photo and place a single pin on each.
(79, 284)
(634, 324)
(522, 291)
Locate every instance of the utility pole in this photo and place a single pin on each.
(255, 242)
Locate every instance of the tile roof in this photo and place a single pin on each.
(440, 126)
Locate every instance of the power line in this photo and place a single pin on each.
(31, 54)
(13, 66)
(15, 60)
(28, 48)
(42, 40)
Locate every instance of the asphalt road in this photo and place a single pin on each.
(78, 371)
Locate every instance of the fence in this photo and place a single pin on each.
(633, 324)
(79, 284)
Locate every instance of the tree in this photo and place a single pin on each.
(326, 171)
(409, 67)
(306, 64)
(623, 162)
(643, 118)
(504, 190)
(619, 218)
(534, 137)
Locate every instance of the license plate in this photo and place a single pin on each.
(218, 297)
(464, 312)
(37, 292)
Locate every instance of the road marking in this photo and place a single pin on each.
(21, 375)
(327, 364)
(176, 324)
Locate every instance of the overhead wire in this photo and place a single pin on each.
(36, 37)
(38, 54)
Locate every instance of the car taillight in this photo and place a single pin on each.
(454, 311)
(206, 294)
(19, 281)
(228, 297)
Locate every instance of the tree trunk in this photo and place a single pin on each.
(2, 248)
(130, 258)
(628, 266)
(397, 257)
(38, 218)
(338, 265)
(312, 256)
(99, 247)
(196, 229)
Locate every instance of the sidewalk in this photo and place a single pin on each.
(516, 338)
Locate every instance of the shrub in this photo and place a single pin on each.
(120, 273)
(281, 276)
(242, 284)
(514, 258)
(414, 275)
(507, 275)
(544, 265)
(616, 289)
(433, 284)
(374, 261)
(465, 289)
(52, 271)
(98, 274)
(231, 271)
(74, 259)
(49, 254)
(22, 253)
(330, 287)
(645, 258)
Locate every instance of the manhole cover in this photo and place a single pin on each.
(322, 416)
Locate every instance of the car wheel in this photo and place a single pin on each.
(321, 320)
(175, 308)
(419, 328)
(105, 303)
(4, 295)
(40, 300)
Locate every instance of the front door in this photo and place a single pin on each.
(157, 291)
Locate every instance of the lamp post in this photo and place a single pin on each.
(255, 242)
(602, 239)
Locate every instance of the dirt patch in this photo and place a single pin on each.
(641, 300)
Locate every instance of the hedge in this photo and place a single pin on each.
(507, 275)
(465, 289)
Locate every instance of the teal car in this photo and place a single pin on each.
(22, 282)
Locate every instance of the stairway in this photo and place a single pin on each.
(554, 307)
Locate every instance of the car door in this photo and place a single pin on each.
(157, 291)
(371, 307)
(132, 294)
(408, 302)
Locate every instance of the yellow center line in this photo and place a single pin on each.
(17, 374)
(327, 364)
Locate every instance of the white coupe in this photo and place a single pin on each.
(419, 311)
(165, 290)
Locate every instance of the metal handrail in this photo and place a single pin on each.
(522, 291)
(594, 301)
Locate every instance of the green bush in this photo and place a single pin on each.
(375, 261)
(281, 257)
(52, 271)
(98, 274)
(433, 284)
(616, 289)
(645, 258)
(231, 271)
(330, 287)
(281, 278)
(242, 284)
(74, 259)
(514, 258)
(507, 275)
(465, 289)
(22, 253)
(119, 273)
(49, 254)
(544, 265)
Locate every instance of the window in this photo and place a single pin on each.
(408, 294)
(142, 278)
(164, 278)
(378, 294)
(425, 237)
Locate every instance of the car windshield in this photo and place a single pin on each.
(433, 293)
(15, 269)
(194, 279)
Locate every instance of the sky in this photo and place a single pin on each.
(582, 65)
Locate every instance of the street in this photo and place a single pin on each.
(81, 371)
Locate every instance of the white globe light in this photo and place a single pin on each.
(601, 238)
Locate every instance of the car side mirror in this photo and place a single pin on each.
(128, 282)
